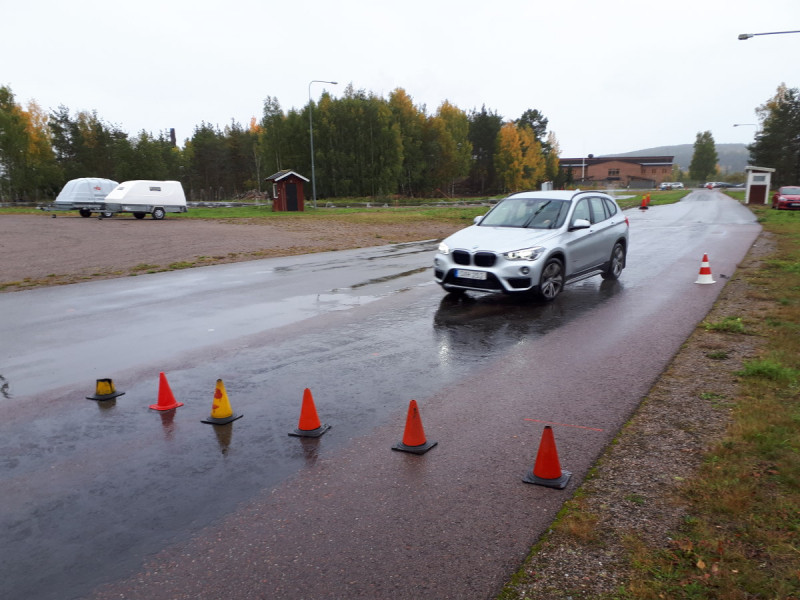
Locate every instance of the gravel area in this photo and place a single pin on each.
(38, 250)
(634, 488)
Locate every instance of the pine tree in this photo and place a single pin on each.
(704, 159)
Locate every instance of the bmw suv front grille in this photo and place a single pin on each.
(481, 259)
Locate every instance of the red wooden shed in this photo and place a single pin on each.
(287, 191)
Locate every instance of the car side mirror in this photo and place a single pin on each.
(580, 224)
(478, 219)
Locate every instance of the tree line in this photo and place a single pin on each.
(777, 143)
(364, 145)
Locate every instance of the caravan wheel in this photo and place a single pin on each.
(139, 215)
(85, 213)
(158, 213)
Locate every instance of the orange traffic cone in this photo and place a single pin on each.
(309, 425)
(547, 469)
(221, 411)
(104, 390)
(644, 203)
(166, 401)
(705, 272)
(648, 198)
(414, 436)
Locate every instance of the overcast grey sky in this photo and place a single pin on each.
(611, 76)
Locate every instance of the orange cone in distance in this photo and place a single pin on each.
(166, 400)
(644, 203)
(705, 272)
(414, 435)
(309, 425)
(221, 411)
(547, 469)
(104, 390)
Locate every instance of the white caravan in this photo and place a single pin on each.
(86, 195)
(142, 197)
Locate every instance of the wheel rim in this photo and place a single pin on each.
(551, 280)
(617, 261)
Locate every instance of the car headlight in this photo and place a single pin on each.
(524, 254)
(444, 248)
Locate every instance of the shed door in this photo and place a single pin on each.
(291, 196)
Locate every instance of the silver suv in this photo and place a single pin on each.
(536, 242)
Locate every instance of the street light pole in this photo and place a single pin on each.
(311, 133)
(748, 125)
(747, 36)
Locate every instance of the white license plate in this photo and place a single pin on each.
(465, 274)
(795, 205)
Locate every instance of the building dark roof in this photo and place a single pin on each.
(637, 160)
(284, 173)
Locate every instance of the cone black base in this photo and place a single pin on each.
(101, 397)
(414, 449)
(224, 421)
(312, 433)
(559, 483)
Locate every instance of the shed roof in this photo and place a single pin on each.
(283, 174)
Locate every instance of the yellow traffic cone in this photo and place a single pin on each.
(221, 411)
(104, 390)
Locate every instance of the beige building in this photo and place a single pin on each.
(620, 171)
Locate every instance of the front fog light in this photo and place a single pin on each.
(436, 262)
(524, 271)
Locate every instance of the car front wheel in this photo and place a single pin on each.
(616, 264)
(552, 280)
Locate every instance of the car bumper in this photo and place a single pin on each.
(789, 205)
(504, 276)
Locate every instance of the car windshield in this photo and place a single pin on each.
(533, 213)
(791, 191)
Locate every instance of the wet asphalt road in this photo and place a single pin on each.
(103, 499)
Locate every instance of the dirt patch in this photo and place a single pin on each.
(634, 487)
(38, 250)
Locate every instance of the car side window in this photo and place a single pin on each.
(581, 211)
(611, 208)
(598, 210)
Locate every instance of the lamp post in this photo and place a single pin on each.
(747, 36)
(311, 133)
(748, 125)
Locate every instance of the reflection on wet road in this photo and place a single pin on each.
(365, 330)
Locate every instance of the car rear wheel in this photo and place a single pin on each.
(616, 264)
(158, 213)
(552, 280)
(85, 213)
(139, 215)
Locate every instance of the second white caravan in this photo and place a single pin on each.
(143, 197)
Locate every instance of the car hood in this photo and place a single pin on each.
(498, 239)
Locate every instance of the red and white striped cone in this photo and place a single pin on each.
(705, 272)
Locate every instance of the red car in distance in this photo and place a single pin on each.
(787, 198)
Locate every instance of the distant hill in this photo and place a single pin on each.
(732, 157)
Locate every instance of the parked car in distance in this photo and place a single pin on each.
(724, 184)
(787, 198)
(672, 185)
(535, 243)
